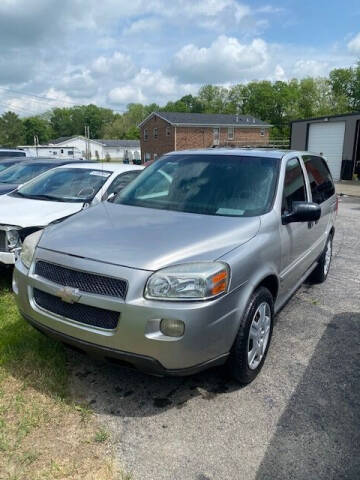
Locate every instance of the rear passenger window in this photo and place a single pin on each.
(322, 186)
(294, 186)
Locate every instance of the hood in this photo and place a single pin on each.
(147, 239)
(25, 212)
(7, 187)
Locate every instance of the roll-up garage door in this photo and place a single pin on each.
(328, 138)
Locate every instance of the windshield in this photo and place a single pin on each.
(226, 185)
(21, 173)
(4, 166)
(65, 185)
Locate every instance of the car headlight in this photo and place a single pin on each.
(189, 281)
(28, 248)
(12, 239)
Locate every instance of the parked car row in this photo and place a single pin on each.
(36, 193)
(185, 268)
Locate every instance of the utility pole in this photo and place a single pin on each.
(36, 144)
(87, 137)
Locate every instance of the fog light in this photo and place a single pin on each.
(172, 328)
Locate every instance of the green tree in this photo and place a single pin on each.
(213, 98)
(37, 126)
(11, 130)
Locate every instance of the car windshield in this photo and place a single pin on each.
(21, 173)
(227, 185)
(4, 166)
(65, 185)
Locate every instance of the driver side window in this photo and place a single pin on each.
(294, 185)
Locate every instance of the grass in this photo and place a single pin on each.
(43, 434)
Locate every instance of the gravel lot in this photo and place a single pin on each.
(300, 418)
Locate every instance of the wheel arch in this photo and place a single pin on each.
(271, 282)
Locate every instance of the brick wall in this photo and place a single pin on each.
(203, 137)
(193, 137)
(162, 144)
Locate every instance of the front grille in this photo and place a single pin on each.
(86, 282)
(94, 316)
(3, 242)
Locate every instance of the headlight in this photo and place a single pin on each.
(28, 248)
(13, 239)
(190, 281)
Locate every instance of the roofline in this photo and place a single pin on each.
(246, 125)
(326, 116)
(78, 136)
(44, 146)
(150, 116)
(175, 124)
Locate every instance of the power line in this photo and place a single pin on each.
(47, 99)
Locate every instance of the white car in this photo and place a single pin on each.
(54, 196)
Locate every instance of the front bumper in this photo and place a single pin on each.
(7, 258)
(210, 326)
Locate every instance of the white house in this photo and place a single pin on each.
(80, 147)
(102, 149)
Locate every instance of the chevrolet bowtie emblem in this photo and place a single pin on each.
(69, 295)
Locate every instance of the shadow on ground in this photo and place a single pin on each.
(318, 435)
(5, 278)
(118, 391)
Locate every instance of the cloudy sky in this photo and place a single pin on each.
(113, 52)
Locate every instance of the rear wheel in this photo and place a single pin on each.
(253, 339)
(319, 275)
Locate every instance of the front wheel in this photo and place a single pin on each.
(252, 342)
(319, 275)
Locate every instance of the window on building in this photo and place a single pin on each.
(145, 134)
(168, 131)
(231, 133)
(147, 157)
(322, 186)
(54, 153)
(262, 132)
(294, 185)
(70, 152)
(155, 133)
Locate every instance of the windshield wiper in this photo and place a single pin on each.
(41, 197)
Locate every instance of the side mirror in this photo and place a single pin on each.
(302, 212)
(112, 196)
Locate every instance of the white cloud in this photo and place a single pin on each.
(119, 65)
(149, 86)
(226, 59)
(313, 68)
(144, 25)
(126, 94)
(354, 44)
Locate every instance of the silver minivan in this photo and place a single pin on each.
(187, 266)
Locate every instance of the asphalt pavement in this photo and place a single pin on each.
(299, 420)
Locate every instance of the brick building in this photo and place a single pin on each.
(163, 132)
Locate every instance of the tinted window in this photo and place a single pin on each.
(322, 186)
(66, 185)
(294, 186)
(4, 166)
(226, 185)
(12, 154)
(21, 173)
(121, 181)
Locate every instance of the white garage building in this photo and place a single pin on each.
(336, 137)
(80, 147)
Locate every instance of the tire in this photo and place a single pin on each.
(319, 275)
(239, 365)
